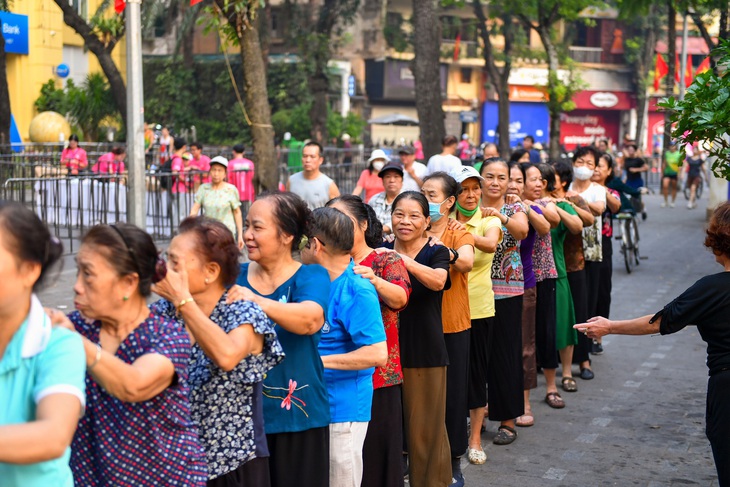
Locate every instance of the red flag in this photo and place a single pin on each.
(704, 66)
(457, 46)
(661, 69)
(195, 2)
(119, 6)
(687, 70)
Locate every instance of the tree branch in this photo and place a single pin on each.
(697, 19)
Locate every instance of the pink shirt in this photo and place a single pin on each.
(179, 184)
(202, 165)
(107, 165)
(240, 174)
(419, 150)
(371, 183)
(74, 159)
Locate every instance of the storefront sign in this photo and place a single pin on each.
(62, 70)
(585, 127)
(469, 116)
(526, 93)
(15, 32)
(525, 119)
(533, 76)
(604, 99)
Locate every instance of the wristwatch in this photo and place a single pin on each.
(456, 256)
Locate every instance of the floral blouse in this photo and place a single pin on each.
(390, 267)
(543, 262)
(222, 402)
(219, 204)
(507, 277)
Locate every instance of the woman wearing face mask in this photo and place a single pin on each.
(424, 356)
(538, 225)
(584, 164)
(219, 199)
(505, 353)
(441, 190)
(369, 180)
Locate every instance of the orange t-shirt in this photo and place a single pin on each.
(455, 305)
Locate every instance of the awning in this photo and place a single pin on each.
(695, 45)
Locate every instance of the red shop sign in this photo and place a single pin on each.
(603, 100)
(585, 127)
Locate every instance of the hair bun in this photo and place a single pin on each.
(160, 270)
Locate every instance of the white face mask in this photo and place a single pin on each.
(582, 173)
(378, 165)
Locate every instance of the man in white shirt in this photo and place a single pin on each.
(413, 172)
(314, 187)
(446, 161)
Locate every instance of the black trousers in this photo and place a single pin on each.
(254, 473)
(504, 373)
(579, 291)
(718, 424)
(382, 452)
(457, 373)
(301, 458)
(481, 342)
(603, 307)
(545, 323)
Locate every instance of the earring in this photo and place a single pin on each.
(206, 280)
(125, 298)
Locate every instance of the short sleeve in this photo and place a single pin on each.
(61, 367)
(312, 283)
(440, 258)
(395, 272)
(365, 322)
(200, 194)
(362, 182)
(688, 308)
(174, 344)
(600, 193)
(465, 238)
(164, 308)
(232, 193)
(492, 222)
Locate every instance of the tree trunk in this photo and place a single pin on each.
(103, 54)
(4, 102)
(648, 31)
(319, 85)
(553, 101)
(427, 74)
(258, 109)
(672, 54)
(503, 113)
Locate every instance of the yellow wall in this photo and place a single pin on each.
(48, 34)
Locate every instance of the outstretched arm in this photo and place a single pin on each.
(599, 326)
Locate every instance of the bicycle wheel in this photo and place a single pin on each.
(635, 241)
(627, 247)
(687, 191)
(698, 193)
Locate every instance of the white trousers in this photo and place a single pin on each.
(346, 441)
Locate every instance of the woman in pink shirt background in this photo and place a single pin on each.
(369, 179)
(73, 157)
(111, 162)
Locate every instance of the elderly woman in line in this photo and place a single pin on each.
(234, 347)
(383, 447)
(295, 297)
(43, 368)
(352, 345)
(137, 423)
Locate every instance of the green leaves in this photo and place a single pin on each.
(704, 114)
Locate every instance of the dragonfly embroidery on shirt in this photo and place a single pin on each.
(286, 401)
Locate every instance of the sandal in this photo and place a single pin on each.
(554, 400)
(505, 435)
(569, 384)
(476, 457)
(526, 420)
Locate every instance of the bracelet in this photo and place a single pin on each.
(96, 358)
(506, 221)
(184, 302)
(456, 256)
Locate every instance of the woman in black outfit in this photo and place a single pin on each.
(705, 304)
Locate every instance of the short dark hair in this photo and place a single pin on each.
(449, 140)
(291, 213)
(179, 142)
(215, 243)
(517, 155)
(412, 195)
(718, 231)
(73, 137)
(529, 137)
(28, 238)
(587, 149)
(610, 163)
(333, 228)
(448, 184)
(314, 143)
(565, 171)
(239, 148)
(547, 172)
(363, 214)
(493, 160)
(118, 150)
(129, 250)
(197, 145)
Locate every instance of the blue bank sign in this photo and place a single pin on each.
(15, 32)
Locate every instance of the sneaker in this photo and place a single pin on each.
(689, 206)
(671, 205)
(596, 348)
(457, 481)
(664, 205)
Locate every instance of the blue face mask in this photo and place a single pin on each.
(434, 211)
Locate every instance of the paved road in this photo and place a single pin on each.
(641, 421)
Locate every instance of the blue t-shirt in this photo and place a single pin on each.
(353, 321)
(294, 392)
(39, 361)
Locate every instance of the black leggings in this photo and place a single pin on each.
(579, 292)
(718, 424)
(603, 307)
(504, 373)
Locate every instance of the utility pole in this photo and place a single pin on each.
(136, 197)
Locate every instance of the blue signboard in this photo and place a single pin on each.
(15, 141)
(525, 119)
(15, 32)
(62, 70)
(351, 85)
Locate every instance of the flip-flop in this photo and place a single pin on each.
(525, 421)
(554, 400)
(505, 435)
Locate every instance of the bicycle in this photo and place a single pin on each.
(688, 191)
(629, 240)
